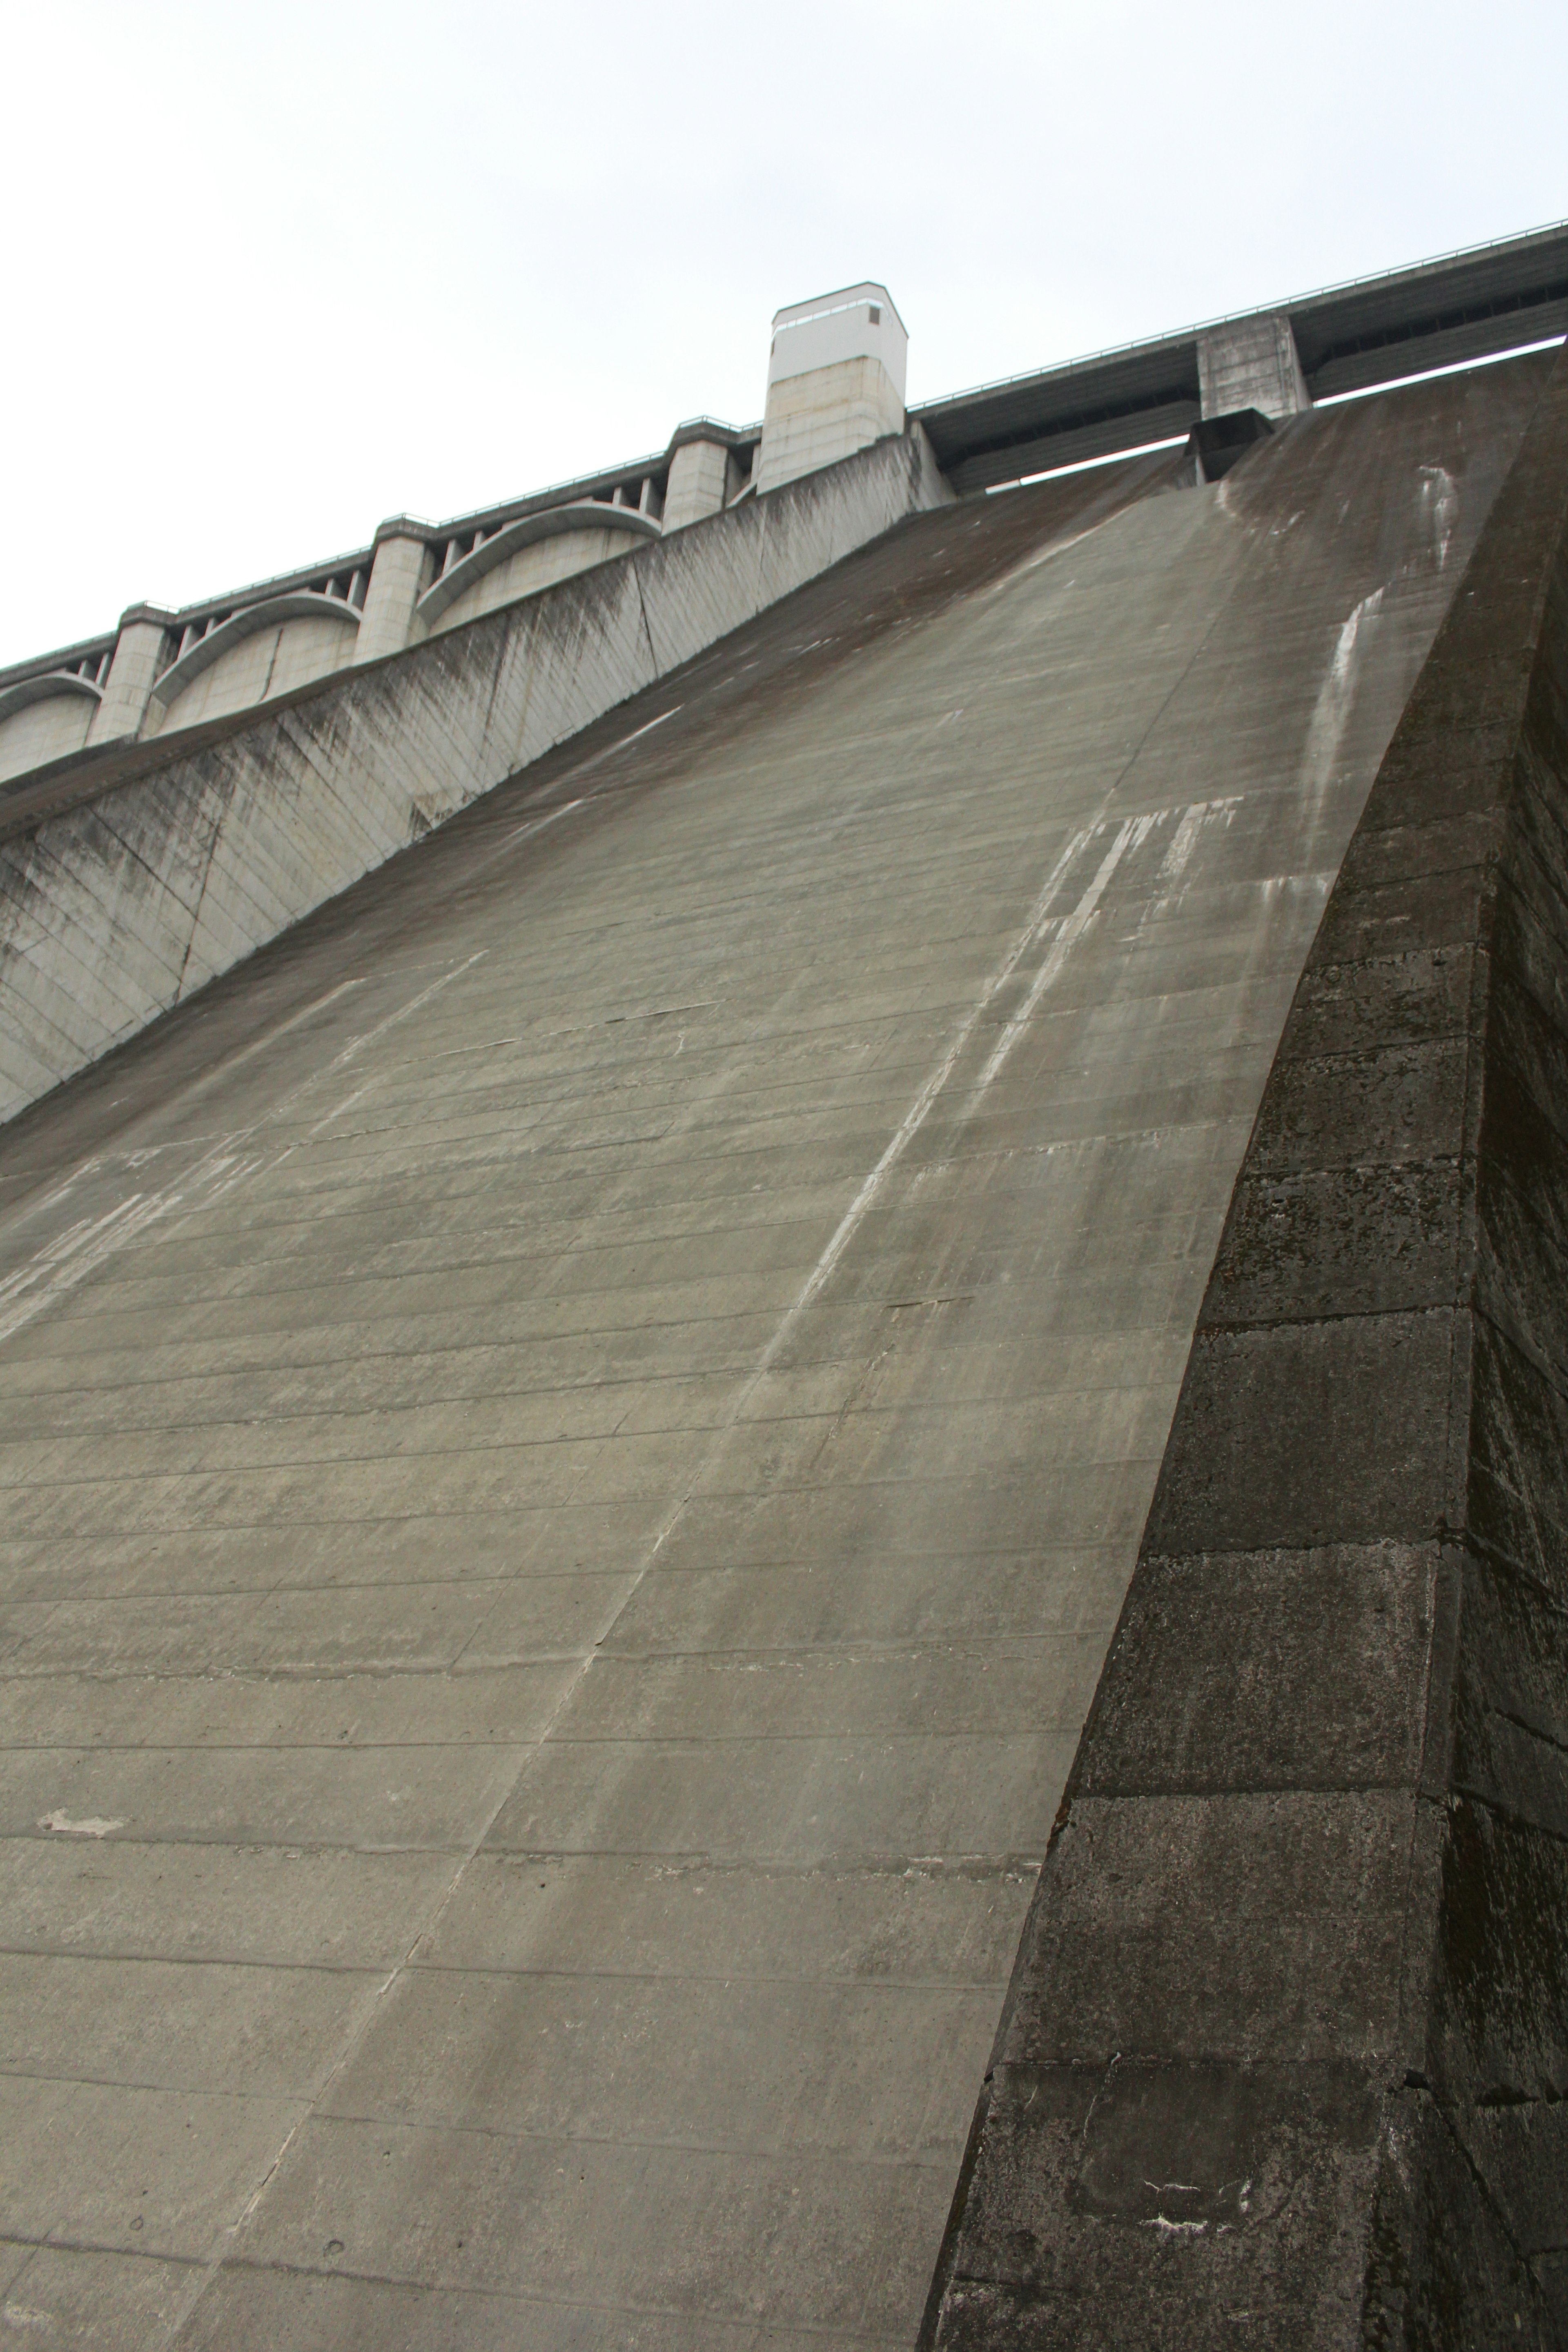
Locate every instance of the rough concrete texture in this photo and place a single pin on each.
(1251, 364)
(261, 665)
(1287, 2046)
(698, 481)
(44, 730)
(141, 649)
(129, 882)
(401, 570)
(537, 563)
(574, 1435)
(816, 419)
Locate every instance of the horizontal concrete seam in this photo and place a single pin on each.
(521, 1744)
(349, 2119)
(53, 2242)
(771, 1865)
(1175, 1787)
(1348, 1318)
(947, 1648)
(484, 2292)
(172, 2090)
(872, 1988)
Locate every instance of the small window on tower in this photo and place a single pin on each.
(875, 309)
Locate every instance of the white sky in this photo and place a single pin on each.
(274, 273)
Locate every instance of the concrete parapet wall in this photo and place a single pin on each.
(1285, 2055)
(301, 639)
(537, 562)
(45, 728)
(164, 866)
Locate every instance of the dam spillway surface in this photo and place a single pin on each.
(574, 1432)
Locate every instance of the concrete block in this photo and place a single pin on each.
(1441, 2264)
(1210, 2200)
(1251, 364)
(1316, 1684)
(699, 476)
(1345, 1437)
(401, 570)
(1246, 1924)
(1395, 1106)
(836, 382)
(1350, 1241)
(142, 651)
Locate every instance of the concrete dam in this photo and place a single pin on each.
(784, 1352)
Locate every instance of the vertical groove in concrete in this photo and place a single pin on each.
(1285, 2052)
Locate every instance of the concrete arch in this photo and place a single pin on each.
(305, 649)
(43, 717)
(588, 521)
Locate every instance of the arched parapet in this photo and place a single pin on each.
(604, 529)
(68, 684)
(44, 717)
(312, 636)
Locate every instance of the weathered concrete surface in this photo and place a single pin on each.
(574, 1434)
(128, 882)
(1287, 2047)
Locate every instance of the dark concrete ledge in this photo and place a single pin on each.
(1284, 2057)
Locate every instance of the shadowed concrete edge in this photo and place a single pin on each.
(1286, 2044)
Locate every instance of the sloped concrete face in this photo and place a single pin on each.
(162, 870)
(575, 1434)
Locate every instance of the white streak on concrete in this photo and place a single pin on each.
(1333, 708)
(658, 721)
(347, 1104)
(1440, 495)
(1129, 835)
(71, 1256)
(91, 1825)
(356, 1045)
(1184, 841)
(55, 1270)
(538, 824)
(915, 1117)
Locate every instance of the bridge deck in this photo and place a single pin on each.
(574, 1434)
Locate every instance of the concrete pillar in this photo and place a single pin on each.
(699, 476)
(142, 651)
(401, 570)
(1251, 364)
(835, 382)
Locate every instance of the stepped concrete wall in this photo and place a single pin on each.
(1286, 2051)
(130, 882)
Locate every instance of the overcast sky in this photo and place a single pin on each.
(275, 273)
